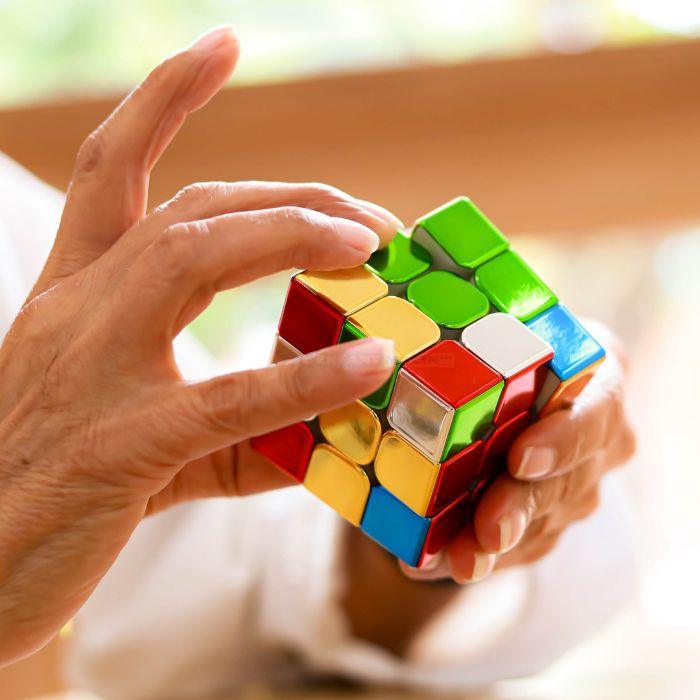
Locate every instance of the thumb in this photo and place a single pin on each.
(109, 189)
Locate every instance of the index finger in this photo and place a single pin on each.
(109, 189)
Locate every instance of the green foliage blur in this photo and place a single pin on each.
(52, 48)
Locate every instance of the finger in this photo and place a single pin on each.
(232, 471)
(529, 551)
(229, 251)
(560, 441)
(206, 200)
(467, 561)
(202, 417)
(509, 506)
(434, 570)
(109, 189)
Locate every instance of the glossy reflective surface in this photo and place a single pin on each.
(400, 261)
(395, 318)
(445, 526)
(506, 344)
(308, 322)
(288, 448)
(354, 430)
(457, 476)
(449, 300)
(513, 287)
(395, 526)
(405, 472)
(452, 372)
(574, 347)
(464, 232)
(519, 393)
(338, 482)
(346, 290)
(420, 416)
(472, 421)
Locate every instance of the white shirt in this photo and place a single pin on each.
(214, 595)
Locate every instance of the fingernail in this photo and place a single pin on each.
(483, 566)
(359, 237)
(370, 356)
(537, 462)
(511, 528)
(213, 38)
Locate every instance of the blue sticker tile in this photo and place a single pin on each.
(394, 525)
(574, 347)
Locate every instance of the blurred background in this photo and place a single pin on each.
(574, 124)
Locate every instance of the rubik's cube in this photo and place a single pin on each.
(482, 349)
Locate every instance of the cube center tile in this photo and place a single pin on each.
(452, 372)
(419, 415)
(449, 300)
(354, 430)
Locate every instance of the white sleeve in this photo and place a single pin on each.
(215, 595)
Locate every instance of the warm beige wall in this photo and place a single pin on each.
(547, 142)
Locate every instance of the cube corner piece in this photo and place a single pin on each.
(459, 237)
(338, 481)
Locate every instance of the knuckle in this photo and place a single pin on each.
(201, 194)
(174, 249)
(588, 506)
(307, 230)
(628, 440)
(91, 153)
(226, 403)
(323, 193)
(297, 384)
(298, 218)
(161, 76)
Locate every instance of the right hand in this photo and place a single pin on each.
(97, 426)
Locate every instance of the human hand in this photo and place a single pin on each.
(97, 426)
(555, 469)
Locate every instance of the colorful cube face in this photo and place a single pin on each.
(482, 349)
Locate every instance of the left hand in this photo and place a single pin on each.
(555, 469)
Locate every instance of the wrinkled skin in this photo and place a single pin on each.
(97, 426)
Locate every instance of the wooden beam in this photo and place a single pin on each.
(545, 142)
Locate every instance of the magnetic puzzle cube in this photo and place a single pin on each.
(483, 348)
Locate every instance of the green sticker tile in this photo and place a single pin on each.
(512, 286)
(401, 261)
(380, 398)
(465, 233)
(471, 421)
(448, 299)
